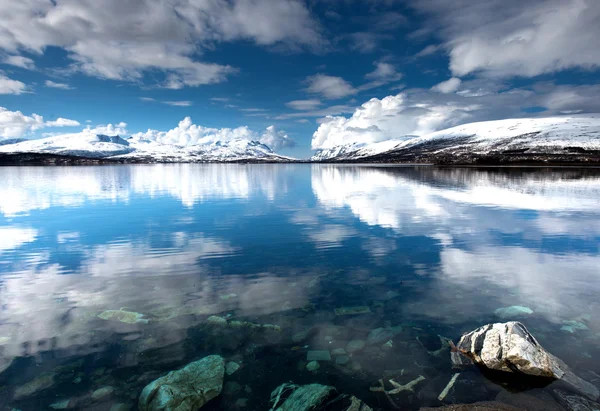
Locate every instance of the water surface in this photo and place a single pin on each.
(435, 251)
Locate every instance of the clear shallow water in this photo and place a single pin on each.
(435, 251)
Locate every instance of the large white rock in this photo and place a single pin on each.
(510, 347)
(186, 389)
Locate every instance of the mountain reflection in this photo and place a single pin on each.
(23, 189)
(514, 236)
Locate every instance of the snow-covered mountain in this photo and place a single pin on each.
(554, 139)
(102, 147)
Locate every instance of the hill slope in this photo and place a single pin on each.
(564, 140)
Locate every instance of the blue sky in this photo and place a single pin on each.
(430, 64)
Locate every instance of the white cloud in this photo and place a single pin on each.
(304, 104)
(16, 124)
(328, 111)
(62, 122)
(176, 103)
(330, 87)
(63, 86)
(124, 41)
(384, 73)
(431, 49)
(448, 86)
(276, 139)
(392, 117)
(184, 103)
(19, 61)
(514, 37)
(10, 86)
(108, 129)
(187, 133)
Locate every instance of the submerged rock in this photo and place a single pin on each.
(303, 398)
(381, 335)
(290, 397)
(510, 347)
(62, 405)
(5, 364)
(573, 326)
(34, 386)
(313, 366)
(573, 402)
(318, 355)
(363, 309)
(513, 311)
(186, 389)
(231, 367)
(127, 317)
(355, 345)
(478, 406)
(102, 393)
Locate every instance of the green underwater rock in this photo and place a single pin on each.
(513, 311)
(42, 382)
(363, 309)
(187, 389)
(127, 317)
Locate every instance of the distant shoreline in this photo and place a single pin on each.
(578, 160)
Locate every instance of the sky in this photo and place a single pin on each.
(297, 75)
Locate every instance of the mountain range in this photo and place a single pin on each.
(558, 140)
(552, 140)
(99, 148)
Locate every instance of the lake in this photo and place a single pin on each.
(111, 276)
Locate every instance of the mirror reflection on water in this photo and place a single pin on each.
(112, 276)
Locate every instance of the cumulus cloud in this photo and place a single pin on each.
(62, 122)
(448, 86)
(19, 61)
(393, 117)
(514, 37)
(187, 133)
(62, 86)
(276, 139)
(304, 104)
(125, 40)
(10, 86)
(330, 87)
(14, 124)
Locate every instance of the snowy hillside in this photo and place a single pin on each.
(561, 139)
(104, 147)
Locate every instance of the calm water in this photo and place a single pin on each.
(435, 251)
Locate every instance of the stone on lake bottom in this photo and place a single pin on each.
(573, 326)
(363, 309)
(342, 360)
(338, 351)
(127, 317)
(102, 392)
(62, 405)
(40, 383)
(187, 389)
(231, 367)
(381, 335)
(318, 355)
(313, 366)
(355, 345)
(512, 311)
(573, 402)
